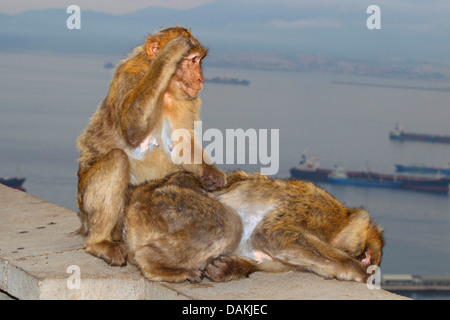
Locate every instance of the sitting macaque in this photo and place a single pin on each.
(153, 92)
(176, 231)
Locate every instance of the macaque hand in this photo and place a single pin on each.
(367, 260)
(213, 178)
(179, 47)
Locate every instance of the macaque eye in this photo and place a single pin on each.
(195, 59)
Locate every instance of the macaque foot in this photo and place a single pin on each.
(225, 268)
(113, 253)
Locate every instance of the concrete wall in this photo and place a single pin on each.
(42, 258)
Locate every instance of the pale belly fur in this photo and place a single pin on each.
(251, 215)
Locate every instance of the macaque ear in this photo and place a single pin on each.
(152, 47)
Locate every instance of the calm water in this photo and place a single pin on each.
(46, 101)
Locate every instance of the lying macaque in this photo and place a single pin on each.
(176, 231)
(298, 226)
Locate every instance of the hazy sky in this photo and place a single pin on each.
(126, 6)
(408, 27)
(110, 6)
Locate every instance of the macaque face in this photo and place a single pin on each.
(189, 74)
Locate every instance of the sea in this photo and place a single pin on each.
(47, 99)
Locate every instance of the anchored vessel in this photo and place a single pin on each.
(15, 183)
(309, 169)
(423, 169)
(399, 133)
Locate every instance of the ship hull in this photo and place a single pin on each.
(318, 175)
(366, 183)
(434, 185)
(419, 169)
(405, 136)
(371, 179)
(15, 183)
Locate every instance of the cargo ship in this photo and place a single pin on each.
(421, 168)
(15, 183)
(399, 134)
(309, 169)
(436, 185)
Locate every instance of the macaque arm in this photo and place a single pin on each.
(141, 109)
(306, 251)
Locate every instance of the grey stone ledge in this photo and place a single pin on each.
(38, 244)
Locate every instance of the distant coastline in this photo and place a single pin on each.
(224, 80)
(392, 86)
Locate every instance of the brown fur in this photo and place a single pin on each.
(173, 227)
(302, 227)
(157, 84)
(305, 227)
